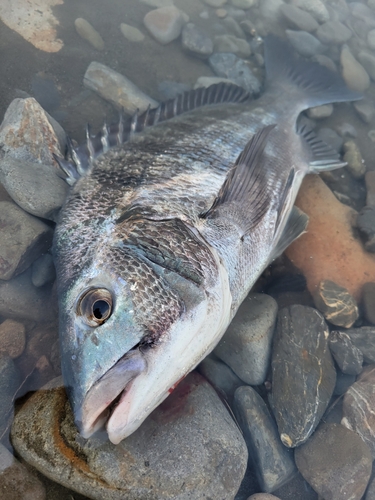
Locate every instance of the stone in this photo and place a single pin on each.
(221, 13)
(336, 462)
(298, 18)
(364, 339)
(370, 187)
(273, 463)
(246, 345)
(16, 482)
(343, 382)
(207, 81)
(10, 381)
(336, 304)
(215, 3)
(358, 407)
(21, 300)
(320, 112)
(116, 88)
(196, 42)
(368, 62)
(189, 447)
(347, 356)
(304, 43)
(244, 4)
(43, 270)
(315, 7)
(233, 27)
(12, 338)
(220, 376)
(329, 249)
(24, 238)
(371, 135)
(333, 32)
(35, 187)
(232, 44)
(366, 225)
(368, 302)
(248, 27)
(235, 69)
(303, 374)
(89, 33)
(362, 12)
(355, 163)
(131, 33)
(26, 133)
(270, 10)
(354, 74)
(165, 24)
(371, 39)
(365, 109)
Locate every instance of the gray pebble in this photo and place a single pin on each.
(298, 18)
(371, 39)
(131, 33)
(12, 338)
(10, 381)
(246, 345)
(233, 27)
(365, 109)
(165, 24)
(336, 304)
(316, 8)
(363, 13)
(222, 378)
(354, 74)
(346, 130)
(347, 356)
(364, 339)
(196, 42)
(368, 302)
(368, 62)
(333, 32)
(88, 33)
(305, 43)
(272, 461)
(235, 69)
(43, 270)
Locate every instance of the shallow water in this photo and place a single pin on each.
(53, 74)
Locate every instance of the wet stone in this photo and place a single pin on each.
(365, 109)
(364, 339)
(12, 338)
(353, 157)
(359, 407)
(189, 447)
(303, 374)
(233, 27)
(348, 357)
(366, 225)
(354, 74)
(336, 462)
(164, 24)
(370, 187)
(315, 7)
(333, 32)
(196, 42)
(346, 130)
(235, 69)
(131, 33)
(368, 62)
(298, 18)
(368, 302)
(89, 33)
(336, 304)
(343, 382)
(43, 270)
(305, 43)
(220, 376)
(16, 482)
(23, 239)
(116, 88)
(273, 462)
(320, 112)
(246, 345)
(9, 383)
(232, 44)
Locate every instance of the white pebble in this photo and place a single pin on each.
(88, 33)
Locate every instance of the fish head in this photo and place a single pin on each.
(128, 333)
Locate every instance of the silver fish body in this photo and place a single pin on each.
(161, 240)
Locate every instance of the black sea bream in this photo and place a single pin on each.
(162, 237)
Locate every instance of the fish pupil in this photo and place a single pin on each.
(101, 309)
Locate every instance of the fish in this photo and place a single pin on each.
(170, 219)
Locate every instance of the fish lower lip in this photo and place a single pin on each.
(104, 395)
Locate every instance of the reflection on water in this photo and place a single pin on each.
(281, 370)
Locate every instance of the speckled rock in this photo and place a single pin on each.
(273, 462)
(336, 304)
(362, 12)
(348, 357)
(131, 33)
(323, 253)
(270, 10)
(16, 482)
(43, 270)
(116, 88)
(336, 462)
(303, 374)
(12, 338)
(333, 32)
(364, 339)
(343, 382)
(246, 345)
(355, 163)
(304, 43)
(298, 18)
(164, 24)
(189, 447)
(368, 302)
(196, 42)
(320, 112)
(359, 407)
(88, 33)
(220, 376)
(24, 238)
(235, 69)
(354, 74)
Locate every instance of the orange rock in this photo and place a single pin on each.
(329, 249)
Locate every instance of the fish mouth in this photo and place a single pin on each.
(108, 393)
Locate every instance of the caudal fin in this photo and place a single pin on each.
(311, 83)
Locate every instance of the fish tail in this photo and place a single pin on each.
(310, 83)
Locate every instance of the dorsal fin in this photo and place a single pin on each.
(80, 158)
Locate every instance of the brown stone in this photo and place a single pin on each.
(336, 304)
(329, 250)
(12, 338)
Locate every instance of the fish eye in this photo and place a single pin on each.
(95, 306)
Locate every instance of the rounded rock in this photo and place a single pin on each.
(88, 33)
(164, 24)
(244, 4)
(368, 62)
(131, 33)
(12, 338)
(196, 42)
(320, 112)
(298, 18)
(336, 304)
(315, 7)
(304, 43)
(354, 74)
(333, 32)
